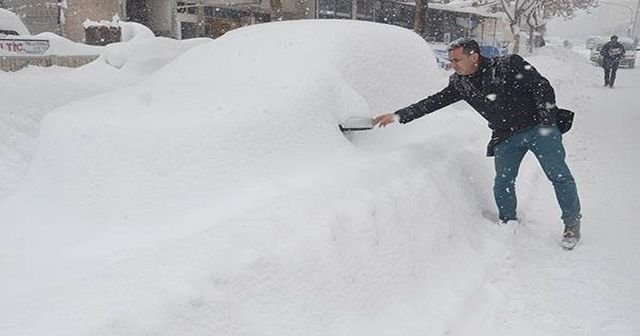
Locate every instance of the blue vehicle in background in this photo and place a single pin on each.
(493, 51)
(442, 57)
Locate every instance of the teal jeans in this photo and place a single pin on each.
(546, 144)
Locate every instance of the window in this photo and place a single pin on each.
(186, 7)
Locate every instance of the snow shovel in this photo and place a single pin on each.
(356, 124)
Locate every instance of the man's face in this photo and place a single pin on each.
(462, 63)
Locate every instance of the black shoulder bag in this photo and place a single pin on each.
(564, 120)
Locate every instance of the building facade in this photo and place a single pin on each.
(183, 19)
(76, 12)
(63, 17)
(445, 22)
(171, 18)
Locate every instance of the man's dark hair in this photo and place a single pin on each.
(614, 38)
(468, 45)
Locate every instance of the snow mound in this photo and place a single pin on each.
(259, 104)
(144, 55)
(241, 124)
(134, 30)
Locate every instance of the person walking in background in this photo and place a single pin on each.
(612, 52)
(520, 106)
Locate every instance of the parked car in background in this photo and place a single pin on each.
(493, 51)
(442, 57)
(629, 59)
(593, 40)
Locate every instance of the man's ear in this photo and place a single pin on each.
(475, 57)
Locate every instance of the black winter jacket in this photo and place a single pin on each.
(507, 91)
(612, 52)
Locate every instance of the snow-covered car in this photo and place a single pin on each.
(11, 25)
(629, 59)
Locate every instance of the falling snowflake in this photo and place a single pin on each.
(544, 131)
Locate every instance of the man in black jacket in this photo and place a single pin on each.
(612, 53)
(519, 105)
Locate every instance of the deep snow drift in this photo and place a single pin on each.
(216, 196)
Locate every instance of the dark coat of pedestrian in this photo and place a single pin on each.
(612, 53)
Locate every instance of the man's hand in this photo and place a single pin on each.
(385, 119)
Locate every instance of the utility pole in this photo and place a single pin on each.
(354, 9)
(420, 17)
(200, 29)
(176, 33)
(62, 7)
(634, 29)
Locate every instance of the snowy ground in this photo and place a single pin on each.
(215, 196)
(608, 18)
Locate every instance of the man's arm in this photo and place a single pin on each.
(538, 87)
(446, 96)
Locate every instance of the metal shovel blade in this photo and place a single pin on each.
(356, 124)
